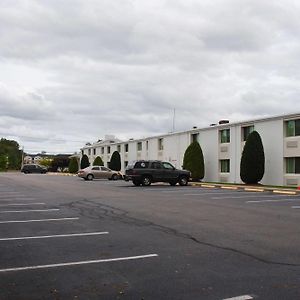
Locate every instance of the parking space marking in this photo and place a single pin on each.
(243, 297)
(226, 193)
(54, 236)
(296, 207)
(271, 200)
(250, 196)
(77, 263)
(29, 210)
(22, 204)
(39, 220)
(16, 198)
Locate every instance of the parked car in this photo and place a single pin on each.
(99, 172)
(34, 168)
(147, 171)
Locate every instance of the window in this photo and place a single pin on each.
(119, 148)
(293, 128)
(160, 144)
(108, 149)
(156, 165)
(126, 147)
(141, 164)
(246, 131)
(139, 146)
(94, 151)
(125, 163)
(104, 169)
(225, 136)
(89, 151)
(168, 166)
(102, 150)
(96, 168)
(225, 165)
(147, 145)
(194, 137)
(293, 165)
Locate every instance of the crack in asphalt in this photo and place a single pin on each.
(96, 210)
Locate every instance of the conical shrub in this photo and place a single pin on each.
(98, 161)
(193, 161)
(73, 165)
(115, 161)
(84, 162)
(252, 166)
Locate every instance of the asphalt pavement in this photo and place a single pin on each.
(65, 238)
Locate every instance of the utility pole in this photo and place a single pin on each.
(173, 127)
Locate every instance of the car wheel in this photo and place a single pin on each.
(173, 183)
(114, 177)
(146, 181)
(183, 181)
(136, 183)
(90, 177)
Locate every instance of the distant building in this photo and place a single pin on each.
(222, 146)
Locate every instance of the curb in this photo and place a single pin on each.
(61, 174)
(248, 188)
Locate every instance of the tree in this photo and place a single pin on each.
(193, 160)
(3, 162)
(73, 165)
(84, 162)
(46, 162)
(115, 161)
(252, 166)
(59, 162)
(98, 161)
(10, 150)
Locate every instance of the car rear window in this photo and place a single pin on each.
(141, 164)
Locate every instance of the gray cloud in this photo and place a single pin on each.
(77, 70)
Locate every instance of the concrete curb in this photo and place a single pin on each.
(247, 188)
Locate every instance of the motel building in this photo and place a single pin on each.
(222, 145)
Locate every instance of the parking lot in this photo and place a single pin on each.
(66, 238)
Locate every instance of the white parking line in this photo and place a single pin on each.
(226, 193)
(53, 236)
(76, 263)
(28, 210)
(296, 207)
(39, 220)
(16, 198)
(277, 200)
(251, 196)
(244, 297)
(22, 204)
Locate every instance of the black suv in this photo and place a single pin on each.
(147, 171)
(33, 168)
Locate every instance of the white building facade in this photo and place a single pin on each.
(222, 146)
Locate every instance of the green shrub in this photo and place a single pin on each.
(193, 160)
(115, 161)
(98, 161)
(253, 159)
(84, 162)
(73, 165)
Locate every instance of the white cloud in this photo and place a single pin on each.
(77, 70)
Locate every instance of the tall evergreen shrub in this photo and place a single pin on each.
(193, 160)
(98, 161)
(252, 166)
(73, 165)
(84, 162)
(115, 161)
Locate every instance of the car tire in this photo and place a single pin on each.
(90, 177)
(114, 177)
(136, 183)
(183, 180)
(146, 181)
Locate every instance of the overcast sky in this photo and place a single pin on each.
(73, 71)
